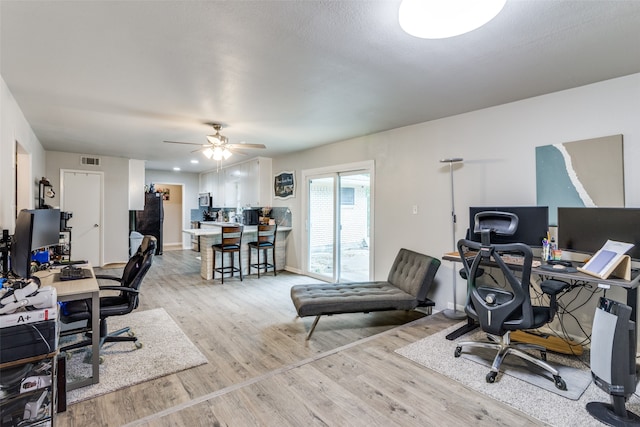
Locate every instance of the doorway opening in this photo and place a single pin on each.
(173, 219)
(24, 196)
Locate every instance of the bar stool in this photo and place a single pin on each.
(266, 239)
(230, 243)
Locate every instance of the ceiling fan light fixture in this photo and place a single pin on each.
(208, 152)
(439, 19)
(217, 153)
(226, 153)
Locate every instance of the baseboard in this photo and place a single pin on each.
(459, 309)
(173, 247)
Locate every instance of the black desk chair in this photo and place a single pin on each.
(124, 302)
(266, 239)
(502, 310)
(230, 244)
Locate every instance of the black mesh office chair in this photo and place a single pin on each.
(124, 302)
(502, 310)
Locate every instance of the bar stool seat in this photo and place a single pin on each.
(230, 243)
(266, 239)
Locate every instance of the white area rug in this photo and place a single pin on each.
(436, 352)
(165, 350)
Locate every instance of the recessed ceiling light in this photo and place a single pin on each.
(439, 19)
(176, 168)
(194, 161)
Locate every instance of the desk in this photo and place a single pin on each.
(631, 286)
(72, 290)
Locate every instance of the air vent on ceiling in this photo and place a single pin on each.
(91, 161)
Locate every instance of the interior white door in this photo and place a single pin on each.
(82, 196)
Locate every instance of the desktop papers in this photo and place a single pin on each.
(610, 259)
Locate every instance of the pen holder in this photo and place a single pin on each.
(546, 254)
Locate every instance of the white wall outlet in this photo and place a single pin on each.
(414, 209)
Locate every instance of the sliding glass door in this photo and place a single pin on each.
(355, 225)
(322, 226)
(339, 225)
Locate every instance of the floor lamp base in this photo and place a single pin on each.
(454, 314)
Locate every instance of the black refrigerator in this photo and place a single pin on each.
(149, 221)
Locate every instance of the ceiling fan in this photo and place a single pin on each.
(218, 146)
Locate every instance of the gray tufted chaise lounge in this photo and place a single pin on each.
(406, 288)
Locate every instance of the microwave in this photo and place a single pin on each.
(204, 199)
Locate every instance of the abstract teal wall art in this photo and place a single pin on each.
(586, 173)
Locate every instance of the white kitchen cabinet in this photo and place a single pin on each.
(217, 189)
(232, 182)
(204, 182)
(256, 182)
(210, 182)
(246, 184)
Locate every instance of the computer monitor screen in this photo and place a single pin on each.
(35, 229)
(21, 245)
(533, 224)
(46, 228)
(586, 230)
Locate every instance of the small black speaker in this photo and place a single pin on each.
(613, 362)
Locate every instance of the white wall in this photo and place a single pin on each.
(116, 198)
(14, 127)
(498, 145)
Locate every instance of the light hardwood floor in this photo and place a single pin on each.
(262, 372)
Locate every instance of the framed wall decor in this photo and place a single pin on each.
(284, 185)
(586, 173)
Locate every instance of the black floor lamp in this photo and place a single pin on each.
(453, 314)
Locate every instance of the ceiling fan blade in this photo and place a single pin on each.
(180, 142)
(236, 151)
(245, 146)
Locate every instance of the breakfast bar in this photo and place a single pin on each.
(210, 234)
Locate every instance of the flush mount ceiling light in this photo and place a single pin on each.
(439, 19)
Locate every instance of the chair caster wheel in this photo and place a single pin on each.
(131, 334)
(101, 359)
(559, 383)
(491, 377)
(457, 352)
(138, 345)
(68, 355)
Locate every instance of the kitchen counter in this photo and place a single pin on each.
(210, 235)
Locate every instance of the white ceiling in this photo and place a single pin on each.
(116, 78)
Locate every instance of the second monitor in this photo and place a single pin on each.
(533, 224)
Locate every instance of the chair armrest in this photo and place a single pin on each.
(108, 277)
(119, 288)
(553, 287)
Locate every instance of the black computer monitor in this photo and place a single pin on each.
(533, 224)
(586, 230)
(35, 229)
